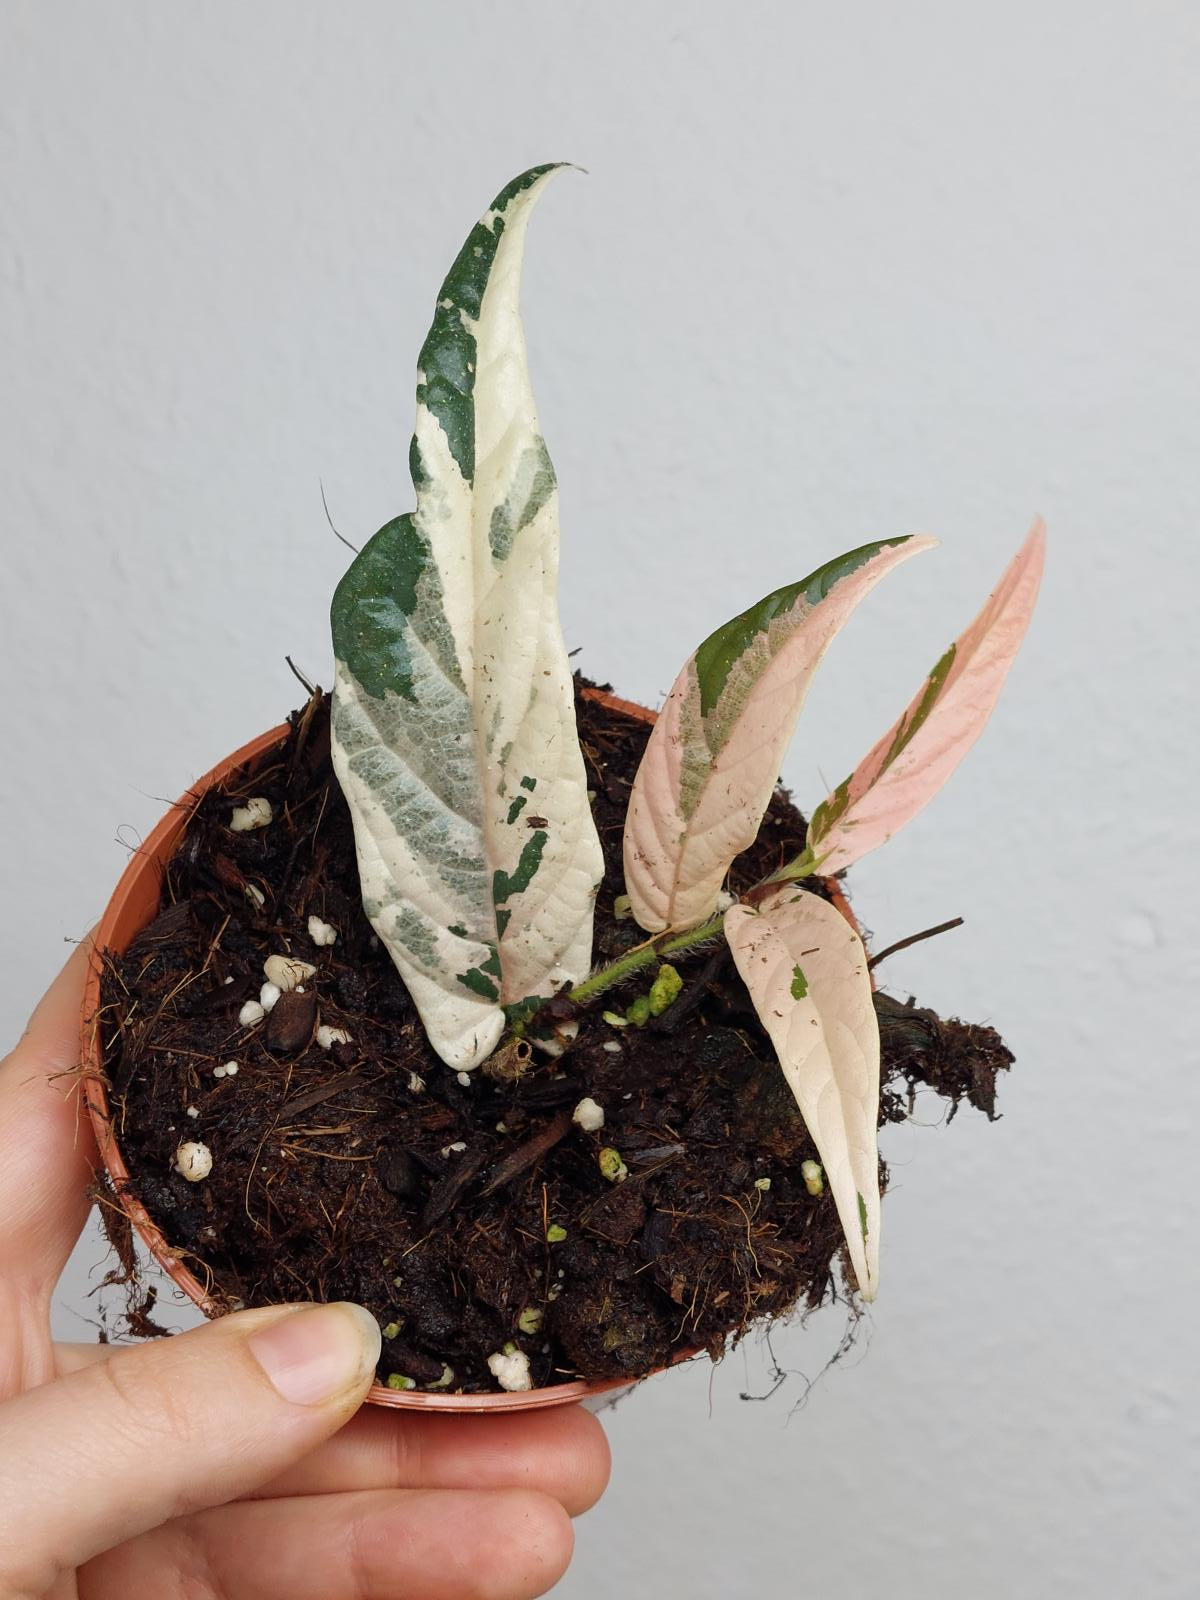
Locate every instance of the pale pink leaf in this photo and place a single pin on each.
(806, 971)
(715, 752)
(915, 757)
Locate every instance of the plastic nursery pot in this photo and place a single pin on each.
(134, 905)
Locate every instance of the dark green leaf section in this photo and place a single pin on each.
(522, 1012)
(447, 360)
(799, 984)
(909, 726)
(372, 606)
(506, 884)
(828, 812)
(831, 810)
(716, 656)
(482, 979)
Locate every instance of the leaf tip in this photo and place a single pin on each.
(1035, 540)
(868, 1272)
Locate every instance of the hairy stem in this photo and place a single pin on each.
(664, 944)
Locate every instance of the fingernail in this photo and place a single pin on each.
(316, 1354)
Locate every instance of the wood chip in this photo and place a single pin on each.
(449, 1188)
(399, 1173)
(313, 1097)
(534, 1148)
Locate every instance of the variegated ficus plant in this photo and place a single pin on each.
(455, 742)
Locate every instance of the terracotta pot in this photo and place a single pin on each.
(134, 904)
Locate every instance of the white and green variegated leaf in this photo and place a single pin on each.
(806, 971)
(453, 723)
(714, 755)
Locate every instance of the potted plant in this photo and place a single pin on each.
(538, 1025)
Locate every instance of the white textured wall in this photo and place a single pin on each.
(837, 272)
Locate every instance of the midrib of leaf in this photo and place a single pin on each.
(833, 809)
(449, 368)
(933, 688)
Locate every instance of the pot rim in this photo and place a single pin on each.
(133, 905)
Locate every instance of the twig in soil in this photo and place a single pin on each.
(662, 1155)
(532, 1150)
(213, 943)
(297, 674)
(305, 721)
(324, 1155)
(314, 1097)
(914, 938)
(253, 1220)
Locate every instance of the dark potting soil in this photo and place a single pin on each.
(465, 1215)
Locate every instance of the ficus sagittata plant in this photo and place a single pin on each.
(453, 727)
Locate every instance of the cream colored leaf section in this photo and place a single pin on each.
(806, 971)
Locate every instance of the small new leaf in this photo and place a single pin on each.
(825, 1034)
(453, 705)
(714, 754)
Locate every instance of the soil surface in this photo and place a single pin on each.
(472, 1216)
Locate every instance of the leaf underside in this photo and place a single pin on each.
(806, 972)
(453, 707)
(714, 754)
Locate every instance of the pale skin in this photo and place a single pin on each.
(233, 1462)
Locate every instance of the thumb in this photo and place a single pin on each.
(172, 1427)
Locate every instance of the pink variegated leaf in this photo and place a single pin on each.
(715, 752)
(806, 971)
(915, 757)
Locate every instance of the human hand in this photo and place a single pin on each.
(228, 1462)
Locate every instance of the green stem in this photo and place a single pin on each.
(653, 950)
(667, 944)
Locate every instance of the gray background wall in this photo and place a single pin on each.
(837, 272)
